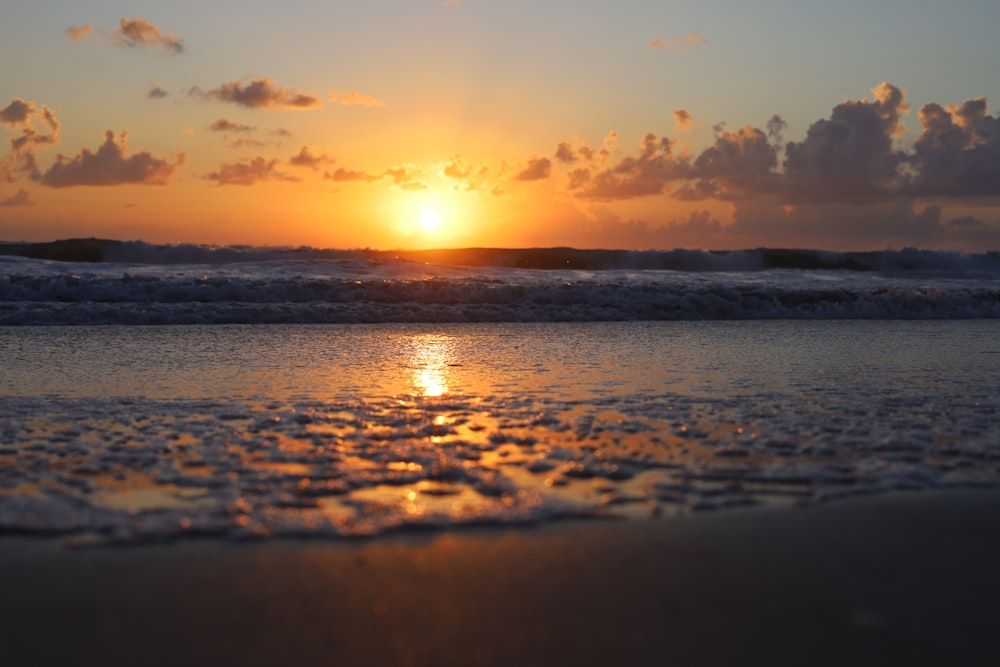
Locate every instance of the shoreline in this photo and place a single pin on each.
(903, 577)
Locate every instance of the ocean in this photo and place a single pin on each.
(151, 393)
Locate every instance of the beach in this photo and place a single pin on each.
(180, 488)
(906, 578)
(515, 334)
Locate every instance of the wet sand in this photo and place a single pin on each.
(909, 578)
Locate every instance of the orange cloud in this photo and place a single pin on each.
(258, 94)
(305, 158)
(682, 120)
(646, 174)
(467, 177)
(538, 168)
(243, 142)
(18, 112)
(407, 177)
(22, 198)
(354, 98)
(226, 125)
(249, 173)
(341, 175)
(22, 161)
(684, 44)
(141, 33)
(76, 33)
(131, 33)
(109, 166)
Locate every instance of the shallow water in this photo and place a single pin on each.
(134, 433)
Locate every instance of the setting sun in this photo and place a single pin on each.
(430, 221)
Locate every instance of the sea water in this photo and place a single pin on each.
(121, 432)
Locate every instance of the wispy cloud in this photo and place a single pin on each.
(354, 98)
(131, 33)
(77, 33)
(226, 125)
(342, 175)
(30, 121)
(682, 120)
(141, 33)
(249, 172)
(21, 198)
(407, 177)
(258, 94)
(684, 44)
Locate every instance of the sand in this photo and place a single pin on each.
(908, 578)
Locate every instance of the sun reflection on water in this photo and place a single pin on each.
(429, 360)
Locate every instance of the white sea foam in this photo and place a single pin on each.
(152, 433)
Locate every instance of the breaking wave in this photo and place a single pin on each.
(93, 281)
(758, 259)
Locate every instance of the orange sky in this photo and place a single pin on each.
(391, 124)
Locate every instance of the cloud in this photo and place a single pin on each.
(684, 44)
(646, 174)
(854, 180)
(775, 128)
(258, 94)
(740, 163)
(851, 154)
(131, 33)
(22, 198)
(249, 173)
(18, 112)
(141, 33)
(456, 168)
(109, 166)
(958, 152)
(305, 158)
(567, 153)
(226, 125)
(354, 98)
(76, 33)
(966, 222)
(857, 155)
(26, 116)
(538, 168)
(465, 176)
(342, 175)
(407, 177)
(840, 224)
(245, 142)
(156, 93)
(682, 121)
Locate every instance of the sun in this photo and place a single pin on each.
(430, 220)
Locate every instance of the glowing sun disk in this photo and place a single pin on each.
(430, 221)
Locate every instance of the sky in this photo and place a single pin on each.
(713, 124)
